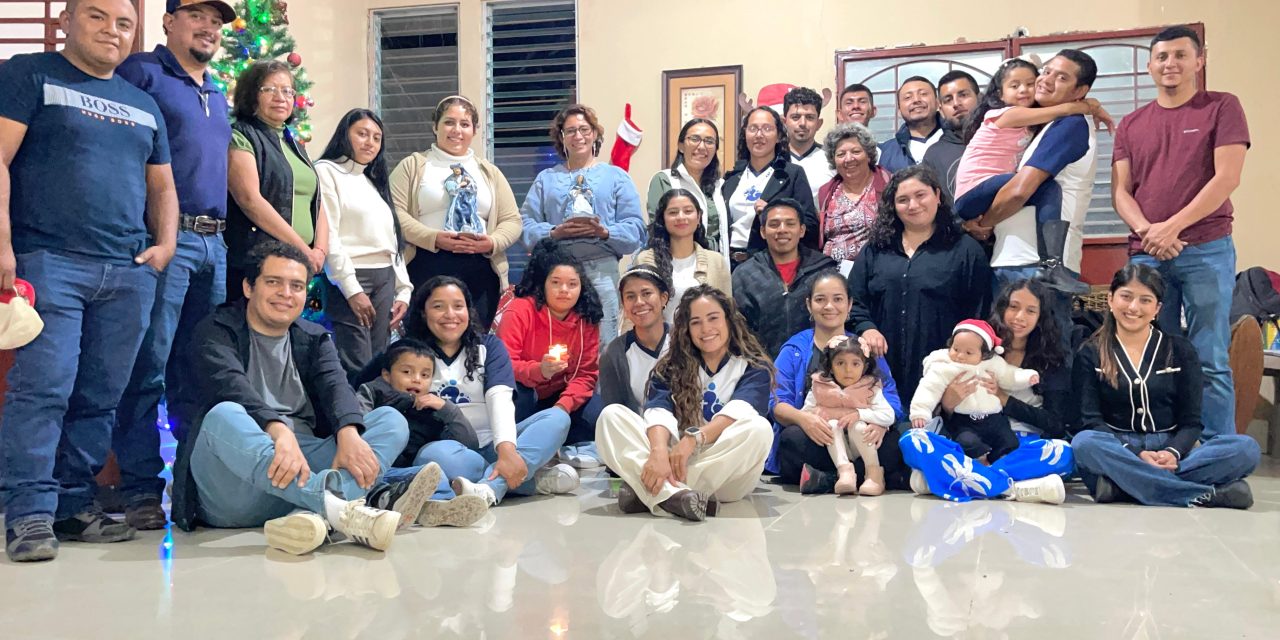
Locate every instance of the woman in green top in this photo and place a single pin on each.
(273, 186)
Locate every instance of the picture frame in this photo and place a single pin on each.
(710, 92)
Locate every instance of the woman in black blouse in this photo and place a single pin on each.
(1139, 391)
(1023, 317)
(919, 276)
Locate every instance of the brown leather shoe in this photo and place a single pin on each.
(146, 515)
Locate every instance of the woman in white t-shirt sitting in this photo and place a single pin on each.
(627, 362)
(677, 249)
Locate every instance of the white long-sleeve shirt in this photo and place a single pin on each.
(362, 228)
(939, 371)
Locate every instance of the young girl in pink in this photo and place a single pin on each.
(848, 393)
(998, 130)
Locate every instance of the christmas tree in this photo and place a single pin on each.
(260, 32)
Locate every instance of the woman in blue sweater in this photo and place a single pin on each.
(801, 438)
(590, 206)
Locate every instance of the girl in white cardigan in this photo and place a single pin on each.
(368, 286)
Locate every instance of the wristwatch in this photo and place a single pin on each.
(699, 438)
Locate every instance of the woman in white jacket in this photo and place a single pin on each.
(368, 287)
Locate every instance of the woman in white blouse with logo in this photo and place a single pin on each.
(368, 287)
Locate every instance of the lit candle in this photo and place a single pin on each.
(557, 352)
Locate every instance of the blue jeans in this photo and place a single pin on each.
(189, 289)
(1200, 282)
(603, 274)
(65, 385)
(1220, 460)
(1061, 302)
(1047, 199)
(954, 476)
(232, 454)
(537, 440)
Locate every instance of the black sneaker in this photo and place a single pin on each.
(93, 526)
(629, 501)
(1233, 495)
(32, 540)
(407, 497)
(687, 504)
(145, 514)
(814, 481)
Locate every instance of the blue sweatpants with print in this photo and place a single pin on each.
(954, 476)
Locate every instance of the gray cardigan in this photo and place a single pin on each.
(614, 385)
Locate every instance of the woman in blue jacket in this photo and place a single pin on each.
(800, 438)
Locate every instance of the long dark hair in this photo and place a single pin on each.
(660, 239)
(712, 172)
(779, 151)
(1105, 336)
(339, 149)
(680, 367)
(248, 85)
(415, 325)
(1044, 344)
(993, 98)
(887, 228)
(546, 256)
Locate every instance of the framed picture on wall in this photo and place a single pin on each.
(706, 92)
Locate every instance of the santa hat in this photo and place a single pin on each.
(19, 322)
(773, 95)
(625, 145)
(984, 330)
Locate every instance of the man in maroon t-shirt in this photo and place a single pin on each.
(1175, 164)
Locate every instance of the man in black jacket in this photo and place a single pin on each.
(959, 92)
(279, 427)
(770, 288)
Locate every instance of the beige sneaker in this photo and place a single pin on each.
(297, 533)
(462, 511)
(1048, 490)
(373, 528)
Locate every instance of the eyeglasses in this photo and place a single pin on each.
(287, 92)
(757, 129)
(699, 140)
(583, 131)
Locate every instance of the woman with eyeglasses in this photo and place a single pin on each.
(696, 169)
(764, 172)
(592, 208)
(273, 186)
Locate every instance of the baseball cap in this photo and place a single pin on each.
(228, 14)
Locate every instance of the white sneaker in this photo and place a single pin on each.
(1048, 490)
(297, 533)
(561, 478)
(918, 483)
(373, 528)
(462, 511)
(464, 487)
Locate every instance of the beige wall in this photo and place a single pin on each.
(625, 44)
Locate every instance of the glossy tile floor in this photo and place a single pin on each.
(777, 565)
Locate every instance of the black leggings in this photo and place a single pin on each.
(795, 450)
(990, 436)
(474, 270)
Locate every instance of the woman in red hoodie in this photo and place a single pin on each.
(552, 331)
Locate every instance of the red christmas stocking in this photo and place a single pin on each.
(628, 140)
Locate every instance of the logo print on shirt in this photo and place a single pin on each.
(98, 108)
(752, 194)
(453, 393)
(711, 404)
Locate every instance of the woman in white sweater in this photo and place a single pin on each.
(458, 212)
(368, 286)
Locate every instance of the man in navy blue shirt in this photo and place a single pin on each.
(176, 76)
(88, 215)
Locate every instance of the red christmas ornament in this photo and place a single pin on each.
(295, 59)
(300, 101)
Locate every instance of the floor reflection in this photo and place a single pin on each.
(722, 571)
(959, 599)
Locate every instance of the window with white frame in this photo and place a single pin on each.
(1122, 86)
(415, 66)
